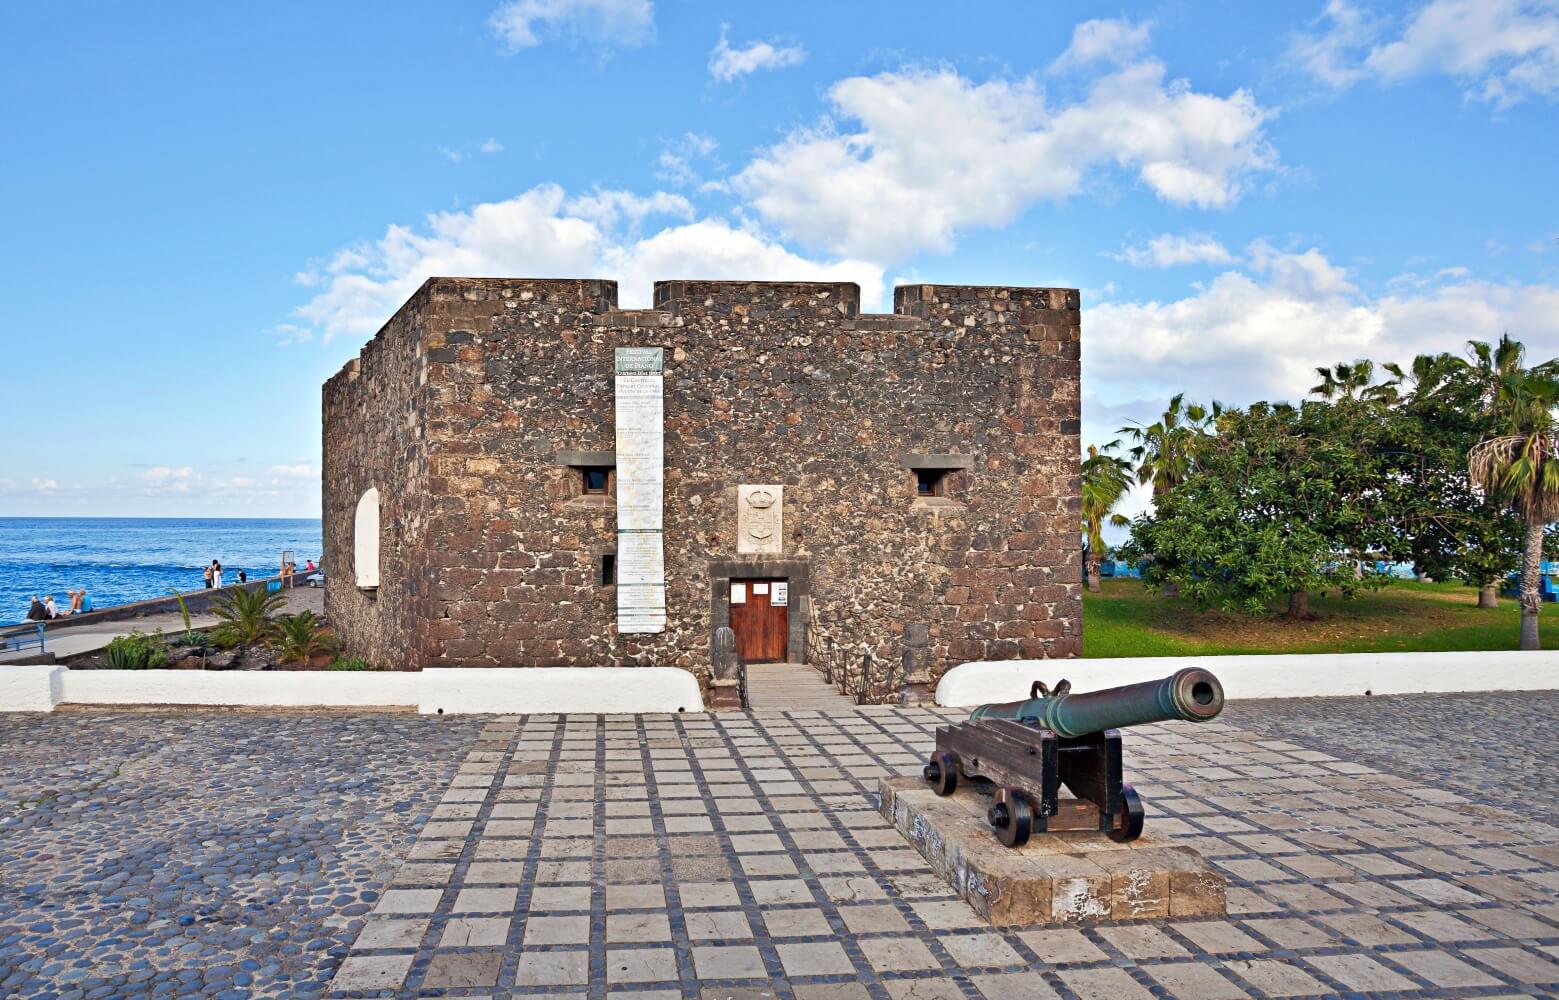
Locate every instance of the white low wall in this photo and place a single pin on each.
(30, 689)
(602, 690)
(251, 688)
(1299, 675)
(625, 690)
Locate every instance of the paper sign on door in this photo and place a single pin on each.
(759, 589)
(738, 593)
(781, 595)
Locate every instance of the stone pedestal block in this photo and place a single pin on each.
(1055, 877)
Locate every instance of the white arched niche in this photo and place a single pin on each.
(365, 540)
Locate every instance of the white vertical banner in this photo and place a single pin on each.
(641, 564)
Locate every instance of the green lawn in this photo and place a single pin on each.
(1128, 620)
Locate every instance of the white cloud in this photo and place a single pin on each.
(302, 470)
(458, 154)
(166, 480)
(1169, 250)
(541, 234)
(1331, 53)
(726, 63)
(287, 334)
(522, 24)
(1105, 39)
(168, 473)
(676, 163)
(607, 208)
(1502, 51)
(1259, 332)
(44, 485)
(936, 153)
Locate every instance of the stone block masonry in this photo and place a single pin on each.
(928, 461)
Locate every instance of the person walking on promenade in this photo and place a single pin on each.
(208, 575)
(216, 574)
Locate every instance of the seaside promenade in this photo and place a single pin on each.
(65, 638)
(1375, 846)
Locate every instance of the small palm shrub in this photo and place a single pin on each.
(136, 651)
(189, 632)
(245, 617)
(301, 636)
(351, 663)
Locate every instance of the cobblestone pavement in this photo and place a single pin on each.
(203, 853)
(740, 856)
(1496, 747)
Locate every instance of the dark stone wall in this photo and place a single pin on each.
(497, 552)
(375, 435)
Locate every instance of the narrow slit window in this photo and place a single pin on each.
(608, 568)
(596, 479)
(930, 482)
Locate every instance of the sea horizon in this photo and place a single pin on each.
(123, 559)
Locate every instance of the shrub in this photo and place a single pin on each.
(194, 638)
(301, 636)
(136, 651)
(245, 617)
(351, 663)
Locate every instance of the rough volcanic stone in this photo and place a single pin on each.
(463, 408)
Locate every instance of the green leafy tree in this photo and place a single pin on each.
(1454, 529)
(1106, 479)
(1518, 462)
(1278, 498)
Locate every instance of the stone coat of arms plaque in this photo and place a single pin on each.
(760, 520)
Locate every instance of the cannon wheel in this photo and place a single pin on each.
(942, 772)
(1012, 816)
(1128, 825)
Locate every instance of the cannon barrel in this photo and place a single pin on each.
(1192, 694)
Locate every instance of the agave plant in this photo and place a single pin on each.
(301, 636)
(245, 617)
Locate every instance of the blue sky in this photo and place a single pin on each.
(207, 211)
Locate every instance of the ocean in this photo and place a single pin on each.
(122, 559)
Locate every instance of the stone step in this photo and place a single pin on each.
(792, 685)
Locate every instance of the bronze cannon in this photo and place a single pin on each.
(1024, 752)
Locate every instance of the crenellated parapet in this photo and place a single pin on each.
(928, 459)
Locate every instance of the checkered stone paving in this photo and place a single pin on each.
(739, 855)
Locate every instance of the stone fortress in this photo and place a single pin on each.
(519, 474)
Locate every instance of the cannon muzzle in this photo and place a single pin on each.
(1192, 694)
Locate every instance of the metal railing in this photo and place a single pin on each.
(860, 674)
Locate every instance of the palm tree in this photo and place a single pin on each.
(1106, 478)
(1518, 462)
(245, 617)
(1344, 381)
(1166, 451)
(300, 637)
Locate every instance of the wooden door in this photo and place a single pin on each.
(760, 618)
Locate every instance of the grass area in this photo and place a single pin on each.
(1126, 619)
